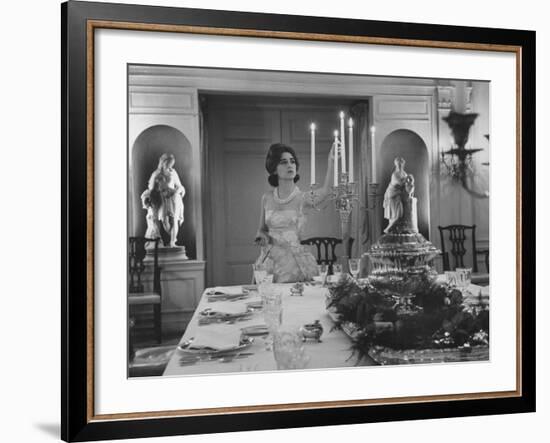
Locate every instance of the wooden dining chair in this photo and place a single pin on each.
(459, 237)
(326, 249)
(137, 295)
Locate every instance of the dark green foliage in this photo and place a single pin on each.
(440, 321)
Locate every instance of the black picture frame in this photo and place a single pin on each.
(77, 419)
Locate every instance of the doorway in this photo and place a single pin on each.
(239, 131)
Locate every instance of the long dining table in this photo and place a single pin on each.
(333, 351)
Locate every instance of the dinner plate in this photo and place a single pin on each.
(226, 297)
(245, 342)
(250, 288)
(212, 314)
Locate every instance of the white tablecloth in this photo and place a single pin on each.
(333, 352)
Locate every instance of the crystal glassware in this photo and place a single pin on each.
(450, 277)
(354, 267)
(464, 277)
(323, 270)
(337, 271)
(260, 272)
(289, 350)
(272, 309)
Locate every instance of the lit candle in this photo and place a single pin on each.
(312, 127)
(373, 145)
(350, 137)
(335, 148)
(343, 141)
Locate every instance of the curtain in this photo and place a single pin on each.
(360, 222)
(203, 143)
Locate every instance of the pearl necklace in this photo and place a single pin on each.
(287, 199)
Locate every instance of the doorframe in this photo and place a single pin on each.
(212, 167)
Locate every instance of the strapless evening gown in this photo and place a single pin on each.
(285, 257)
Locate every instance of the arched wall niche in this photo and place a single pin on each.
(146, 151)
(409, 145)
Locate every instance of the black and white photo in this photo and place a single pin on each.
(302, 221)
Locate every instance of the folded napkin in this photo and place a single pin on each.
(255, 330)
(226, 290)
(216, 337)
(227, 308)
(253, 299)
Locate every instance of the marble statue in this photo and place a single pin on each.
(399, 201)
(163, 200)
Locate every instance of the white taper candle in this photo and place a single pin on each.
(350, 142)
(335, 150)
(373, 147)
(343, 141)
(312, 127)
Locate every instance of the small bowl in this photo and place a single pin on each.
(312, 331)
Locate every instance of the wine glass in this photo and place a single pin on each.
(323, 270)
(464, 277)
(354, 264)
(260, 272)
(451, 279)
(337, 270)
(289, 349)
(272, 310)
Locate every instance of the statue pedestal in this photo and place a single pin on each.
(178, 251)
(182, 283)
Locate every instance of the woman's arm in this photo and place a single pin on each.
(262, 236)
(322, 193)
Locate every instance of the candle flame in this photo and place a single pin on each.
(350, 122)
(342, 114)
(372, 129)
(312, 126)
(336, 133)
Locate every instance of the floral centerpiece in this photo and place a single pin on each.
(402, 314)
(434, 324)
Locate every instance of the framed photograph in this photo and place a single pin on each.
(277, 221)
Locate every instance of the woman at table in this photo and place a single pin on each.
(282, 217)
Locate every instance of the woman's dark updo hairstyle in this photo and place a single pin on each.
(272, 160)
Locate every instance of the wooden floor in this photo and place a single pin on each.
(143, 333)
(158, 353)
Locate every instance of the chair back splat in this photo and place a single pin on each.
(462, 239)
(326, 249)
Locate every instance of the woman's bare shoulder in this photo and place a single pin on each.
(267, 197)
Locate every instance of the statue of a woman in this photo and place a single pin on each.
(163, 200)
(399, 200)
